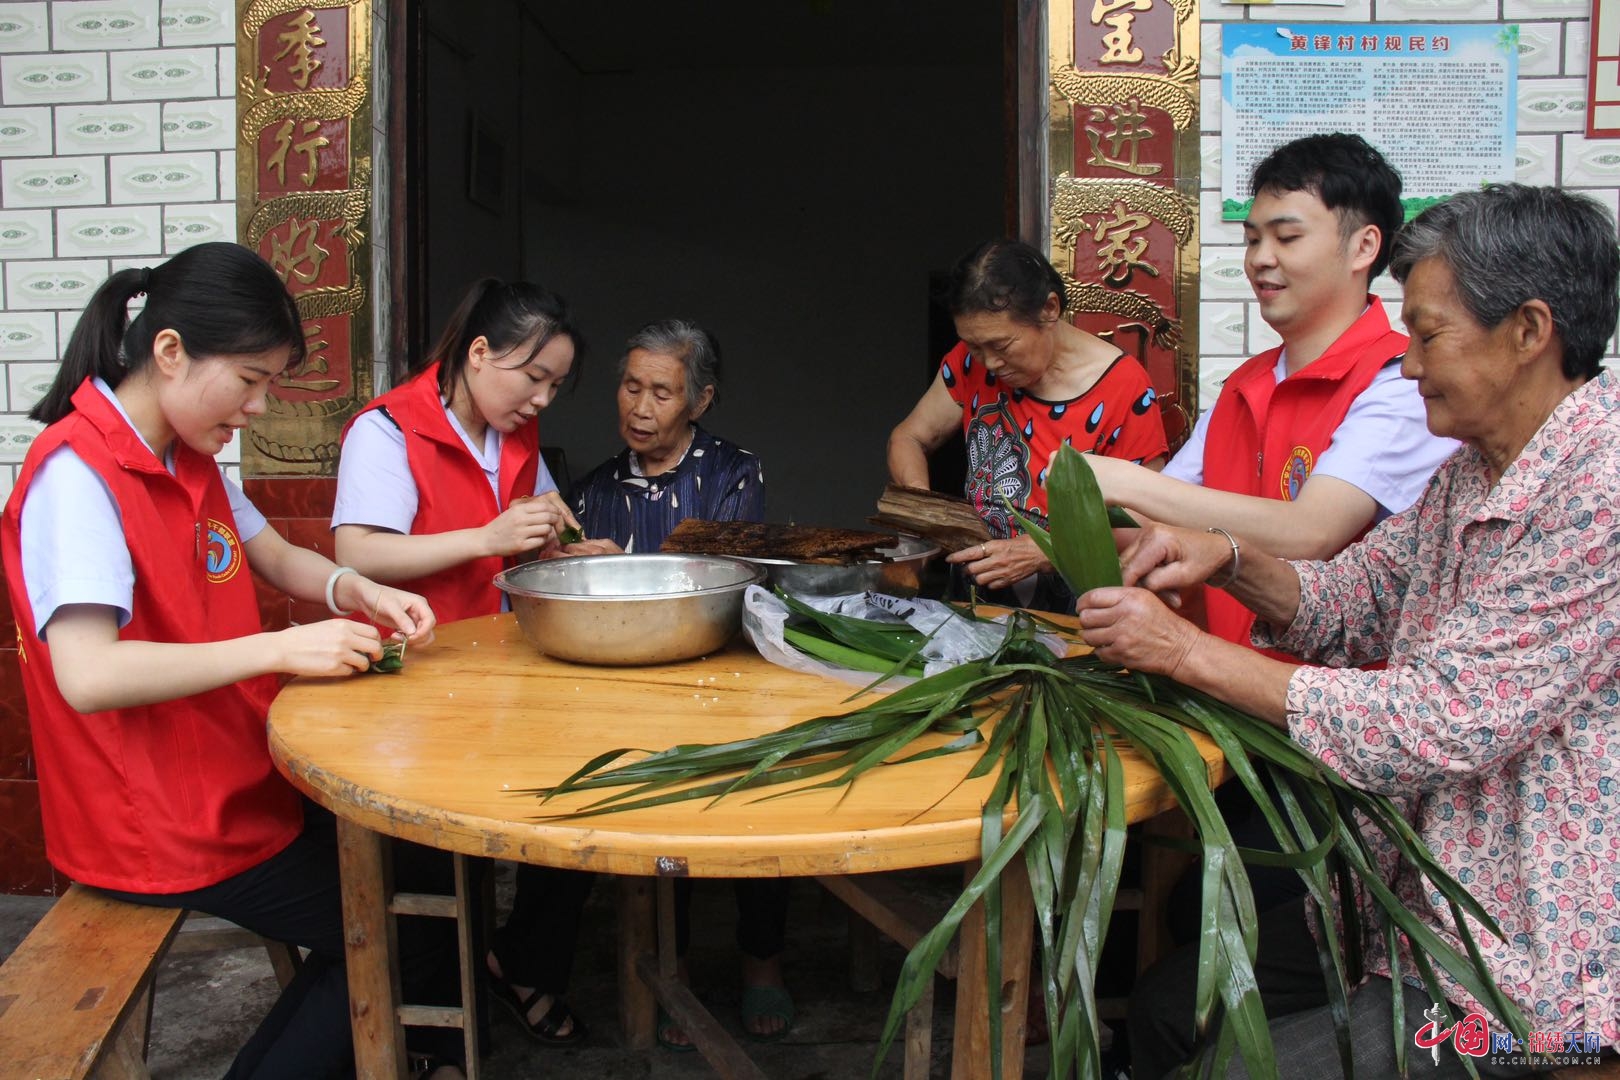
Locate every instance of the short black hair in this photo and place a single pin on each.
(1004, 275)
(1348, 175)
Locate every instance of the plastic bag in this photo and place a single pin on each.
(955, 640)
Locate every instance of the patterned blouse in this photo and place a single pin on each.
(1011, 434)
(1498, 608)
(715, 480)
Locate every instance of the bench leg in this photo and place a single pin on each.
(372, 952)
(126, 1060)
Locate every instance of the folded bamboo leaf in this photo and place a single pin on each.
(1082, 541)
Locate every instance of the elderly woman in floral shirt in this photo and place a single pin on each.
(1495, 601)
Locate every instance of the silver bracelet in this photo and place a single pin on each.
(331, 585)
(1237, 559)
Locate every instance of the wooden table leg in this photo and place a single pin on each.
(970, 1055)
(638, 1009)
(372, 952)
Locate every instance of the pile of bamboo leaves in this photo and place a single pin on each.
(1022, 709)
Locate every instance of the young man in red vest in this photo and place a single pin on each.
(1313, 442)
(1310, 443)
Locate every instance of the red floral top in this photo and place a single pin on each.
(1010, 434)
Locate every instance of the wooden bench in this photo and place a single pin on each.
(76, 995)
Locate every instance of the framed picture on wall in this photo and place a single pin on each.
(486, 166)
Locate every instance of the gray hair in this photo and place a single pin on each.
(693, 346)
(1506, 244)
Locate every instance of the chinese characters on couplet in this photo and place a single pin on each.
(299, 42)
(1119, 43)
(1126, 130)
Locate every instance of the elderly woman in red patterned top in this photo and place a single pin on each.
(1022, 381)
(1495, 601)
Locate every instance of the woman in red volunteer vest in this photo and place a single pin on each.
(440, 482)
(127, 554)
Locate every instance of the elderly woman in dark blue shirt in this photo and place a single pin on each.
(672, 469)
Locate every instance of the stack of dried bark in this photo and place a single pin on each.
(758, 540)
(949, 521)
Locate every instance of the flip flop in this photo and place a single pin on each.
(765, 1002)
(666, 1025)
(544, 1030)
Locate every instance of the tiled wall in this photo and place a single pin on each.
(117, 148)
(1552, 148)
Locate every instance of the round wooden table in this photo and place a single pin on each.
(440, 754)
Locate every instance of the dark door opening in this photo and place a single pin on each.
(788, 175)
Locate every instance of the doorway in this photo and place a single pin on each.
(788, 175)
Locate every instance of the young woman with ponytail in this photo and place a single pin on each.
(146, 672)
(440, 481)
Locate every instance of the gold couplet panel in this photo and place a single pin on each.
(304, 203)
(1125, 168)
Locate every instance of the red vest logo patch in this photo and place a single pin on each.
(224, 552)
(1296, 470)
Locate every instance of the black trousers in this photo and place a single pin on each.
(295, 897)
(536, 945)
(761, 915)
(1291, 989)
(292, 897)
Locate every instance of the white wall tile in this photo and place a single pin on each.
(198, 22)
(1541, 49)
(1552, 104)
(1525, 10)
(29, 383)
(1577, 48)
(1209, 50)
(65, 322)
(26, 132)
(131, 127)
(158, 178)
(206, 124)
(28, 335)
(1220, 330)
(225, 60)
(104, 24)
(1209, 160)
(25, 234)
(227, 176)
(1261, 335)
(1212, 372)
(164, 74)
(53, 78)
(1536, 159)
(65, 181)
(53, 283)
(17, 434)
(1590, 162)
(107, 231)
(24, 28)
(1211, 229)
(1221, 276)
(188, 225)
(1209, 104)
(1436, 10)
(1350, 11)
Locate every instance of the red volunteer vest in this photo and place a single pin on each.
(1265, 437)
(452, 491)
(174, 796)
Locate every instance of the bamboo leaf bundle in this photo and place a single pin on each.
(1049, 728)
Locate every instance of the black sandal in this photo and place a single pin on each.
(544, 1030)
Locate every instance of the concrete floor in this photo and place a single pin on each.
(207, 1005)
